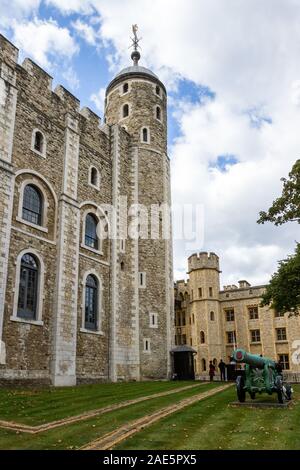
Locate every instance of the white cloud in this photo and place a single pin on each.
(98, 99)
(86, 31)
(70, 6)
(16, 9)
(71, 78)
(44, 40)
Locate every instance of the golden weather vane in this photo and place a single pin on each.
(135, 44)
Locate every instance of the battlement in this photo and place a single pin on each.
(203, 260)
(8, 52)
(91, 116)
(38, 73)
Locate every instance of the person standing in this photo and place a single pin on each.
(212, 370)
(222, 368)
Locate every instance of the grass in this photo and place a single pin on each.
(34, 407)
(76, 435)
(212, 424)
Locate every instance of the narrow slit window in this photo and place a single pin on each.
(125, 110)
(158, 113)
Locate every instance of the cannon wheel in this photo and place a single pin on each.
(240, 389)
(278, 384)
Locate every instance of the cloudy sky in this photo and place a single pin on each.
(232, 70)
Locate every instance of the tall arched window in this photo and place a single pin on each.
(28, 288)
(202, 337)
(91, 238)
(203, 362)
(94, 177)
(157, 89)
(145, 134)
(32, 205)
(158, 113)
(125, 110)
(38, 142)
(91, 303)
(212, 316)
(125, 88)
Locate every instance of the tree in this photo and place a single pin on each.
(283, 292)
(287, 207)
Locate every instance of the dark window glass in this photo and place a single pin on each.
(231, 338)
(125, 88)
(94, 177)
(253, 313)
(157, 90)
(91, 303)
(202, 337)
(125, 110)
(38, 142)
(158, 113)
(255, 336)
(145, 135)
(281, 334)
(203, 365)
(32, 205)
(284, 360)
(91, 238)
(212, 316)
(28, 290)
(229, 315)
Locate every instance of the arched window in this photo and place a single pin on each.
(125, 88)
(212, 316)
(91, 238)
(32, 205)
(91, 303)
(145, 134)
(203, 362)
(202, 337)
(158, 113)
(28, 287)
(38, 144)
(157, 89)
(94, 177)
(125, 110)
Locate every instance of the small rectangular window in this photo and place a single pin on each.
(153, 319)
(229, 314)
(253, 313)
(255, 336)
(210, 292)
(281, 334)
(200, 292)
(122, 245)
(284, 360)
(231, 337)
(142, 280)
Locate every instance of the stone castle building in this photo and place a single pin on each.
(75, 306)
(214, 322)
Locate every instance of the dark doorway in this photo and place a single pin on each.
(183, 363)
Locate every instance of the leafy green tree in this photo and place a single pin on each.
(283, 292)
(287, 207)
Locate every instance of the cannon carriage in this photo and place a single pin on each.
(262, 375)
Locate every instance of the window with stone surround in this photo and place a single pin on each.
(147, 345)
(142, 279)
(91, 303)
(253, 312)
(284, 360)
(94, 177)
(28, 287)
(125, 88)
(145, 135)
(125, 111)
(231, 337)
(202, 337)
(91, 238)
(210, 291)
(158, 113)
(281, 334)
(157, 90)
(255, 336)
(38, 143)
(203, 365)
(212, 316)
(200, 292)
(278, 314)
(229, 314)
(32, 210)
(153, 320)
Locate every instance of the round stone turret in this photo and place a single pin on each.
(137, 100)
(203, 260)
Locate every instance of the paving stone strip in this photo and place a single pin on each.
(88, 414)
(110, 440)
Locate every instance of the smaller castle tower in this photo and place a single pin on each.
(204, 287)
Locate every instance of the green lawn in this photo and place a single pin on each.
(78, 434)
(35, 407)
(212, 424)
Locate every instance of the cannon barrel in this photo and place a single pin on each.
(240, 355)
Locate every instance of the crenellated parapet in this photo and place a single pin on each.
(203, 260)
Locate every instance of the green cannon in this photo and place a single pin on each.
(261, 375)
